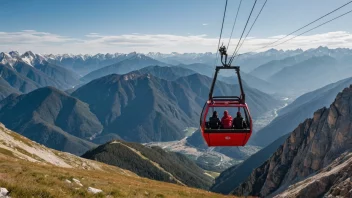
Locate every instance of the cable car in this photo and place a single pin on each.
(226, 135)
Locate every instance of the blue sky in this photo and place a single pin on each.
(59, 26)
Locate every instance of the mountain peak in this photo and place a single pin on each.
(28, 53)
(139, 56)
(28, 57)
(32, 59)
(322, 48)
(14, 54)
(4, 55)
(48, 91)
(272, 50)
(7, 59)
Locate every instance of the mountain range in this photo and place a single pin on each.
(272, 71)
(133, 63)
(27, 72)
(296, 75)
(102, 110)
(160, 109)
(83, 64)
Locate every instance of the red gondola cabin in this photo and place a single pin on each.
(219, 135)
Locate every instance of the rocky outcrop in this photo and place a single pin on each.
(333, 181)
(235, 175)
(312, 146)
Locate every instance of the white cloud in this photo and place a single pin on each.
(204, 24)
(43, 42)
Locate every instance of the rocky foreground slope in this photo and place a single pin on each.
(28, 169)
(315, 159)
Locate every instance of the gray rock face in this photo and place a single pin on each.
(312, 146)
(333, 181)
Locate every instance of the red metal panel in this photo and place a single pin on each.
(227, 139)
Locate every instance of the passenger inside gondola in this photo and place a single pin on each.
(226, 120)
(214, 121)
(238, 122)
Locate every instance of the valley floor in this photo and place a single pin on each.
(200, 156)
(265, 119)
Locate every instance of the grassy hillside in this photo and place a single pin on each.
(28, 169)
(26, 179)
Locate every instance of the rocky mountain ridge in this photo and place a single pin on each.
(310, 148)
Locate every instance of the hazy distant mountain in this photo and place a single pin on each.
(251, 81)
(247, 61)
(307, 71)
(338, 53)
(52, 118)
(308, 75)
(153, 163)
(200, 68)
(135, 62)
(295, 113)
(250, 61)
(165, 72)
(185, 58)
(83, 64)
(266, 70)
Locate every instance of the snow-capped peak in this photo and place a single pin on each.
(31, 59)
(50, 56)
(28, 57)
(40, 58)
(6, 59)
(14, 54)
(29, 53)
